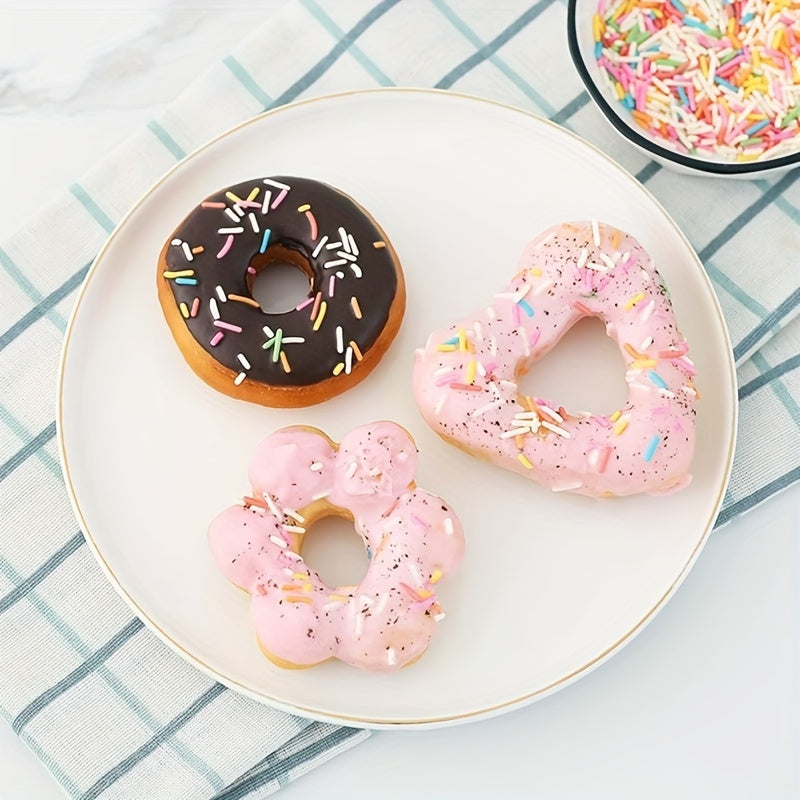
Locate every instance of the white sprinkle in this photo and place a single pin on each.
(515, 432)
(412, 568)
(345, 240)
(339, 340)
(272, 507)
(439, 617)
(440, 404)
(493, 345)
(352, 242)
(607, 261)
(333, 245)
(321, 495)
(490, 312)
(351, 470)
(520, 293)
(595, 233)
(594, 457)
(221, 294)
(437, 373)
(647, 311)
(316, 466)
(294, 529)
(238, 209)
(253, 222)
(365, 600)
(666, 393)
(176, 242)
(356, 270)
(493, 387)
(290, 512)
(488, 407)
(212, 304)
(348, 361)
(449, 529)
(346, 256)
(291, 554)
(596, 267)
(231, 230)
(187, 251)
(319, 246)
(292, 340)
(230, 213)
(582, 258)
(243, 360)
(526, 415)
(556, 429)
(542, 287)
(359, 623)
(626, 256)
(478, 331)
(391, 658)
(239, 378)
(267, 200)
(335, 263)
(509, 384)
(481, 370)
(646, 343)
(339, 274)
(332, 604)
(546, 239)
(550, 413)
(277, 184)
(689, 390)
(278, 541)
(566, 487)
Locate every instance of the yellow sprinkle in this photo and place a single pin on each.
(304, 207)
(462, 340)
(299, 599)
(615, 238)
(518, 441)
(643, 363)
(232, 196)
(756, 56)
(301, 576)
(321, 315)
(637, 298)
(523, 459)
(285, 363)
(307, 587)
(378, 245)
(535, 272)
(704, 66)
(198, 249)
(598, 26)
(436, 576)
(424, 593)
(619, 428)
(290, 587)
(338, 368)
(338, 597)
(615, 416)
(181, 273)
(252, 196)
(619, 90)
(184, 310)
(356, 351)
(242, 299)
(471, 368)
(356, 307)
(446, 348)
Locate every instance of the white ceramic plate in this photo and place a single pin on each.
(552, 584)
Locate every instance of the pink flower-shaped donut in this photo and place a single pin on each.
(413, 538)
(466, 377)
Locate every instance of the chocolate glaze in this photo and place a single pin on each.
(290, 239)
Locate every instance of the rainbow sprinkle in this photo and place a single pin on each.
(711, 77)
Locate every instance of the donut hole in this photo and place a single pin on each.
(583, 372)
(332, 547)
(282, 279)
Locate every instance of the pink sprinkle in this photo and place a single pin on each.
(313, 222)
(304, 303)
(603, 422)
(251, 270)
(261, 589)
(213, 205)
(279, 199)
(425, 604)
(420, 522)
(226, 246)
(195, 307)
(535, 337)
(331, 283)
(314, 310)
(216, 338)
(578, 306)
(445, 379)
(490, 367)
(227, 325)
(660, 410)
(515, 315)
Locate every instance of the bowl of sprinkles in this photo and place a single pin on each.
(708, 86)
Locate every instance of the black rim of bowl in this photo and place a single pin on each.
(718, 168)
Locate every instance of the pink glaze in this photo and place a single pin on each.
(414, 539)
(646, 446)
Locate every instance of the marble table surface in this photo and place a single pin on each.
(705, 703)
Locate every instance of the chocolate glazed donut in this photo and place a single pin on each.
(330, 341)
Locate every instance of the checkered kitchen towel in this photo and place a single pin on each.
(108, 708)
